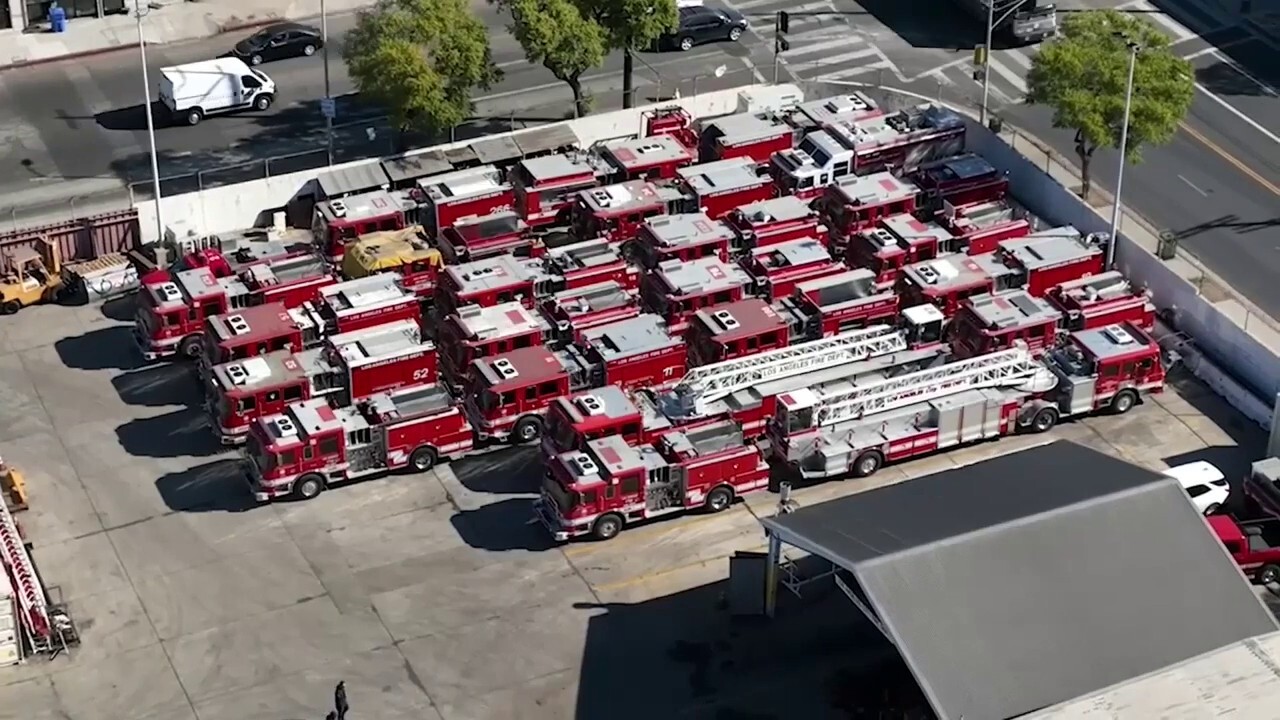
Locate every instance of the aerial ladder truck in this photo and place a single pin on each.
(46, 627)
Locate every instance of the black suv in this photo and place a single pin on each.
(701, 24)
(277, 42)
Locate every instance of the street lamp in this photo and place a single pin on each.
(328, 98)
(151, 125)
(986, 58)
(1134, 49)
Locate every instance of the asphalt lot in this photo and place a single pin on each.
(432, 595)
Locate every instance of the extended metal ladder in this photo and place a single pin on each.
(712, 382)
(1006, 368)
(33, 609)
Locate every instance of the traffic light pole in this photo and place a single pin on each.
(781, 23)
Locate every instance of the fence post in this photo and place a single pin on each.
(266, 168)
(72, 202)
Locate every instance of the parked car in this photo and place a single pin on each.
(277, 42)
(212, 87)
(702, 24)
(1205, 485)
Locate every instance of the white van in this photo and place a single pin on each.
(224, 85)
(1204, 483)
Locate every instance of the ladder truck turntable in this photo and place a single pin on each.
(774, 221)
(311, 446)
(476, 331)
(777, 269)
(571, 312)
(675, 290)
(857, 429)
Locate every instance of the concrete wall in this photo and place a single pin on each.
(1221, 339)
(232, 207)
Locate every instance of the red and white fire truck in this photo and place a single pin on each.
(857, 203)
(1051, 257)
(945, 282)
(476, 237)
(735, 329)
(616, 212)
(653, 157)
(474, 332)
(775, 221)
(999, 321)
(365, 302)
(684, 237)
(675, 290)
(718, 188)
(342, 220)
(311, 446)
(753, 136)
(893, 244)
(814, 114)
(573, 420)
(347, 368)
(960, 180)
(504, 278)
(1103, 299)
(572, 311)
(545, 186)
(227, 254)
(836, 303)
(775, 270)
(474, 192)
(857, 429)
(981, 227)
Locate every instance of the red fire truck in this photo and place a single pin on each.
(678, 289)
(735, 329)
(684, 237)
(311, 446)
(981, 227)
(616, 212)
(365, 302)
(779, 220)
(775, 270)
(545, 186)
(718, 188)
(475, 332)
(572, 311)
(895, 243)
(1050, 258)
(340, 221)
(960, 180)
(653, 157)
(474, 192)
(1103, 299)
(753, 136)
(348, 368)
(854, 204)
(504, 278)
(814, 114)
(836, 303)
(998, 321)
(946, 281)
(227, 254)
(473, 238)
(600, 412)
(597, 491)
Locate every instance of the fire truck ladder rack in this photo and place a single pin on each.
(45, 634)
(718, 380)
(1001, 369)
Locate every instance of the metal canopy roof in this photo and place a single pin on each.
(418, 165)
(350, 180)
(496, 150)
(1034, 578)
(550, 138)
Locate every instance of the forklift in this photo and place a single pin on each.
(30, 275)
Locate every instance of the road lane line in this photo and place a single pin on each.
(1244, 118)
(810, 49)
(1157, 16)
(1192, 185)
(1237, 164)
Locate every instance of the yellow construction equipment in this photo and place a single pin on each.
(403, 251)
(30, 275)
(14, 487)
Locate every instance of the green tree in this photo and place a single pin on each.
(557, 34)
(632, 25)
(1083, 74)
(421, 60)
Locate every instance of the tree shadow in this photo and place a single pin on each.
(508, 471)
(181, 433)
(1221, 78)
(159, 386)
(110, 348)
(502, 526)
(212, 487)
(1226, 222)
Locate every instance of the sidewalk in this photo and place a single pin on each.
(166, 21)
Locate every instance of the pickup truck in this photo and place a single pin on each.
(1021, 21)
(1253, 544)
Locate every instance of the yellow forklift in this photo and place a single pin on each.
(30, 275)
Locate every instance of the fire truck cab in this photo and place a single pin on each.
(598, 491)
(473, 192)
(475, 332)
(1103, 299)
(960, 180)
(896, 242)
(774, 221)
(405, 253)
(477, 237)
(600, 412)
(981, 227)
(945, 282)
(257, 330)
(616, 212)
(775, 270)
(365, 302)
(170, 316)
(1106, 368)
(340, 221)
(684, 237)
(634, 353)
(856, 203)
(753, 136)
(675, 290)
(654, 157)
(837, 303)
(991, 322)
(509, 393)
(491, 281)
(572, 311)
(733, 330)
(720, 187)
(545, 186)
(1051, 257)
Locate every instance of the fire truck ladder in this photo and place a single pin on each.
(712, 382)
(1007, 368)
(33, 609)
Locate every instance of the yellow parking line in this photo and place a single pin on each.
(1236, 163)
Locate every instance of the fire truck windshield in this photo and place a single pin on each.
(489, 400)
(560, 430)
(796, 420)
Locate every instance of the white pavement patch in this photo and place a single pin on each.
(798, 51)
(854, 72)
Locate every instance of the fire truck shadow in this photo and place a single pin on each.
(508, 471)
(110, 348)
(181, 433)
(211, 487)
(120, 308)
(159, 386)
(502, 526)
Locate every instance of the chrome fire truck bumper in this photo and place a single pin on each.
(237, 436)
(152, 351)
(549, 521)
(261, 493)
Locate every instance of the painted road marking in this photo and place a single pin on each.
(1192, 185)
(838, 42)
(1245, 118)
(1157, 16)
(1010, 76)
(1239, 165)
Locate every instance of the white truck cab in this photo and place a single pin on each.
(196, 90)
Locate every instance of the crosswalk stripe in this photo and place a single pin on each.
(741, 5)
(1018, 59)
(866, 52)
(852, 72)
(817, 47)
(1157, 15)
(1010, 76)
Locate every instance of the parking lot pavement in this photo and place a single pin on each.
(432, 596)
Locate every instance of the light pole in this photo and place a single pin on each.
(328, 99)
(151, 125)
(1134, 48)
(986, 57)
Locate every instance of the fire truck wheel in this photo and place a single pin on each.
(607, 527)
(1044, 420)
(190, 348)
(308, 486)
(527, 430)
(423, 459)
(868, 463)
(1269, 574)
(1123, 402)
(719, 499)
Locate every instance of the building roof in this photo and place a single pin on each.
(548, 138)
(977, 575)
(1011, 309)
(745, 318)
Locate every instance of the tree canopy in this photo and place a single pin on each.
(421, 60)
(558, 34)
(1083, 75)
(632, 25)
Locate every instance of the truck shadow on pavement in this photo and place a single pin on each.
(508, 471)
(181, 433)
(1254, 55)
(110, 348)
(121, 309)
(159, 386)
(134, 118)
(502, 526)
(211, 487)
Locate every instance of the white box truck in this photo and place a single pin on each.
(195, 90)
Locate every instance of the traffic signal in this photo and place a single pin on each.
(780, 45)
(784, 21)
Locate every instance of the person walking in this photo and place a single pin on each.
(340, 705)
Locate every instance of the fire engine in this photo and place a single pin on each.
(596, 413)
(813, 115)
(474, 192)
(901, 140)
(312, 446)
(572, 311)
(475, 332)
(774, 221)
(402, 252)
(857, 429)
(340, 221)
(348, 368)
(753, 136)
(720, 187)
(545, 187)
(854, 204)
(683, 237)
(1051, 257)
(836, 303)
(946, 281)
(653, 157)
(476, 237)
(960, 180)
(228, 255)
(993, 322)
(365, 302)
(735, 329)
(598, 490)
(678, 289)
(256, 330)
(981, 227)
(775, 270)
(504, 278)
(895, 243)
(1104, 299)
(673, 121)
(617, 211)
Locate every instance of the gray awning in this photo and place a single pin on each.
(461, 157)
(407, 168)
(494, 150)
(343, 181)
(547, 139)
(1027, 580)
